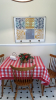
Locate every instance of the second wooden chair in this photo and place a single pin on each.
(51, 71)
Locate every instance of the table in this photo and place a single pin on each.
(40, 71)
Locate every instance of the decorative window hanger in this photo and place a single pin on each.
(29, 29)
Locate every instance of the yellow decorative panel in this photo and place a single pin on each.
(39, 33)
(20, 34)
(29, 23)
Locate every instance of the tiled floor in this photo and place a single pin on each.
(49, 93)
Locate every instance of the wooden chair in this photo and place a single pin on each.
(51, 70)
(21, 80)
(1, 60)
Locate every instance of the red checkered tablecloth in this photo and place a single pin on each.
(40, 71)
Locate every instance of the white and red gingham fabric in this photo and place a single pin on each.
(40, 71)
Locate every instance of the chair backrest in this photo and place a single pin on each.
(52, 64)
(1, 58)
(23, 73)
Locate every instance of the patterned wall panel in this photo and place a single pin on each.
(39, 34)
(20, 23)
(39, 23)
(29, 33)
(29, 23)
(20, 34)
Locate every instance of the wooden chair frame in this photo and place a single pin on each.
(51, 72)
(20, 81)
(52, 60)
(52, 69)
(2, 59)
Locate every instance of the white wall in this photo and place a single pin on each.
(10, 9)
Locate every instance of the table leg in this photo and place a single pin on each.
(2, 86)
(42, 88)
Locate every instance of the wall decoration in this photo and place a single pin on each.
(29, 29)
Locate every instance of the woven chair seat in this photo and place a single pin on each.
(23, 83)
(52, 74)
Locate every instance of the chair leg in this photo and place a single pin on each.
(2, 86)
(51, 79)
(32, 86)
(42, 88)
(16, 92)
(6, 83)
(55, 82)
(11, 85)
(31, 92)
(37, 80)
